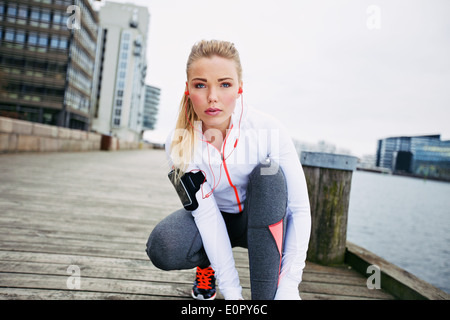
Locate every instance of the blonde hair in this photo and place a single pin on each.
(182, 146)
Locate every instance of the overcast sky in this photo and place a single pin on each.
(346, 72)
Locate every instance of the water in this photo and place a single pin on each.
(404, 220)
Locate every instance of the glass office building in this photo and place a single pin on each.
(426, 156)
(122, 69)
(47, 58)
(151, 104)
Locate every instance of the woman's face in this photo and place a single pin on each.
(213, 86)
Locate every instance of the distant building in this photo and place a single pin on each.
(418, 155)
(47, 61)
(367, 161)
(151, 107)
(320, 146)
(119, 106)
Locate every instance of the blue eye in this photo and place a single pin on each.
(200, 85)
(226, 85)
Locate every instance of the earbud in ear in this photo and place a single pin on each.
(240, 90)
(186, 93)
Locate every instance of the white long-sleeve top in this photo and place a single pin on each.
(252, 137)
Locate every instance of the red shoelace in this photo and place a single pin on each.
(204, 278)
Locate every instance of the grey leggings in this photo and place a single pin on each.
(175, 243)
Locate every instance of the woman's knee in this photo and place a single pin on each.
(162, 242)
(266, 195)
(157, 249)
(175, 243)
(267, 177)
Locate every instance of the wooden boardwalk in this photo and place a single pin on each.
(94, 211)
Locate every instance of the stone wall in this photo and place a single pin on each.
(24, 136)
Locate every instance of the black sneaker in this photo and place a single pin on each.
(205, 284)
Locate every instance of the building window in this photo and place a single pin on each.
(11, 13)
(12, 10)
(63, 44)
(9, 35)
(45, 16)
(64, 20)
(58, 43)
(35, 14)
(20, 37)
(32, 39)
(54, 42)
(34, 17)
(22, 15)
(43, 40)
(45, 19)
(57, 18)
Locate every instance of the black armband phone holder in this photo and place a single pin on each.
(187, 187)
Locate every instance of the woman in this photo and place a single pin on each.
(241, 184)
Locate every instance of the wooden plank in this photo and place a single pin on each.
(339, 269)
(333, 278)
(123, 264)
(69, 255)
(73, 242)
(108, 229)
(343, 290)
(13, 233)
(105, 271)
(323, 296)
(68, 259)
(51, 294)
(93, 251)
(79, 250)
(45, 281)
